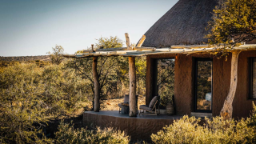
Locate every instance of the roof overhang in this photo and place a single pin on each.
(144, 51)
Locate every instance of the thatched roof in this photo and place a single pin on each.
(185, 23)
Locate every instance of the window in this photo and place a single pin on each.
(165, 80)
(253, 78)
(203, 85)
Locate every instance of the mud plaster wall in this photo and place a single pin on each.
(242, 104)
(138, 129)
(184, 86)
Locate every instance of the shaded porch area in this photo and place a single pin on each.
(138, 128)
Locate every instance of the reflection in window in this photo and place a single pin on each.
(203, 85)
(165, 80)
(254, 78)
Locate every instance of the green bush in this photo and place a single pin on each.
(30, 96)
(188, 130)
(253, 120)
(68, 135)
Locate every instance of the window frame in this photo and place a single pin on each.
(156, 76)
(195, 84)
(251, 61)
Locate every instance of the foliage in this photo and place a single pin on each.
(67, 134)
(165, 80)
(112, 71)
(203, 85)
(140, 65)
(56, 56)
(41, 63)
(253, 120)
(233, 22)
(111, 42)
(8, 63)
(188, 130)
(107, 68)
(253, 117)
(31, 95)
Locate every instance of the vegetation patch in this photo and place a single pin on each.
(67, 134)
(217, 130)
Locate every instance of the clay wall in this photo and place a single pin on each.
(242, 104)
(136, 128)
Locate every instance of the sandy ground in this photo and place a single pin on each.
(109, 105)
(112, 104)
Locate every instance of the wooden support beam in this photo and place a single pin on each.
(87, 51)
(93, 48)
(132, 81)
(141, 41)
(132, 93)
(145, 48)
(190, 46)
(112, 49)
(96, 85)
(128, 44)
(227, 109)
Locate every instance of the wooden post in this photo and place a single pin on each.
(227, 109)
(127, 41)
(132, 81)
(143, 38)
(96, 85)
(92, 48)
(132, 77)
(132, 94)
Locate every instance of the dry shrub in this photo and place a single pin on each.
(30, 96)
(67, 134)
(188, 130)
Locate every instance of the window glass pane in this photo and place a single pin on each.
(165, 80)
(254, 78)
(204, 85)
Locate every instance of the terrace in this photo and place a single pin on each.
(140, 127)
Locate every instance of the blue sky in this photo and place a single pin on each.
(33, 27)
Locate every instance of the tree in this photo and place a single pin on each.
(108, 68)
(140, 64)
(234, 22)
(56, 56)
(111, 42)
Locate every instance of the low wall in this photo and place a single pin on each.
(138, 128)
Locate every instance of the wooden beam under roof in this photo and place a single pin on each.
(143, 38)
(190, 46)
(112, 49)
(144, 51)
(145, 48)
